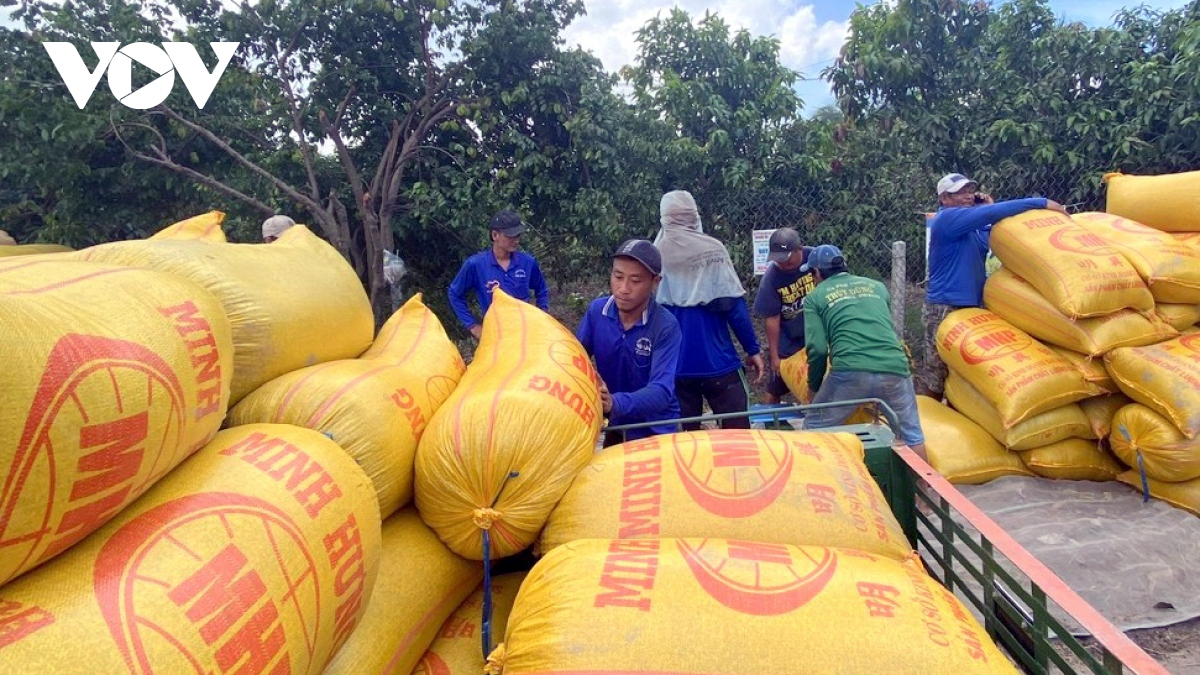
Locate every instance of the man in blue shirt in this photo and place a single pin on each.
(635, 343)
(502, 265)
(958, 246)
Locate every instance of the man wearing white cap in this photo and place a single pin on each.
(274, 226)
(958, 246)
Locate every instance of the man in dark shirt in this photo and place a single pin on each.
(635, 343)
(502, 265)
(780, 301)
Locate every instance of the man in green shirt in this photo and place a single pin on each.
(847, 323)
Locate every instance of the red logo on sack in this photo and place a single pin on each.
(988, 343)
(431, 664)
(1119, 223)
(1074, 239)
(18, 621)
(757, 578)
(108, 442)
(735, 474)
(1191, 341)
(178, 597)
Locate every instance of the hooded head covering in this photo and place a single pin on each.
(696, 268)
(276, 225)
(6, 240)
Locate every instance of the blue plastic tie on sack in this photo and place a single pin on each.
(486, 620)
(1140, 462)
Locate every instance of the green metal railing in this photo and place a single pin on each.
(959, 544)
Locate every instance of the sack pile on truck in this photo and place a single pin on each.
(376, 409)
(112, 377)
(1148, 441)
(458, 648)
(523, 421)
(1170, 268)
(256, 555)
(785, 487)
(719, 606)
(293, 303)
(420, 583)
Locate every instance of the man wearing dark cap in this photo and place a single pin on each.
(635, 343)
(780, 301)
(848, 331)
(504, 266)
(958, 246)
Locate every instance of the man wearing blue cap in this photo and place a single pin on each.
(502, 266)
(958, 247)
(848, 331)
(635, 343)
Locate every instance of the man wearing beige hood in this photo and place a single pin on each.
(701, 288)
(6, 240)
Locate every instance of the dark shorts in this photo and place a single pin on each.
(725, 394)
(931, 378)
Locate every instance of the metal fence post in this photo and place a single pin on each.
(899, 286)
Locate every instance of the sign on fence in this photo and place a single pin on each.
(760, 240)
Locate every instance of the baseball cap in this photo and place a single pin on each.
(276, 225)
(824, 257)
(643, 252)
(953, 182)
(507, 223)
(783, 242)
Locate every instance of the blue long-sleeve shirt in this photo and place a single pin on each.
(482, 272)
(958, 249)
(705, 331)
(638, 364)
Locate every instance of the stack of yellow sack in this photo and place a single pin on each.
(701, 552)
(1155, 221)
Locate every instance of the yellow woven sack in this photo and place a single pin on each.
(1167, 455)
(1165, 377)
(1100, 411)
(112, 376)
(1072, 459)
(1020, 304)
(1059, 424)
(1184, 495)
(1170, 268)
(784, 487)
(1192, 238)
(376, 410)
(415, 338)
(961, 450)
(255, 556)
(1179, 317)
(726, 607)
(420, 584)
(794, 371)
(293, 303)
(1170, 202)
(204, 227)
(1018, 375)
(1075, 270)
(458, 647)
(519, 427)
(1091, 368)
(31, 249)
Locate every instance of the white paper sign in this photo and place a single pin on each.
(760, 242)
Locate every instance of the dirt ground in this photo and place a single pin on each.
(1176, 647)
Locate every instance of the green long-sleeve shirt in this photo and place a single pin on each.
(848, 321)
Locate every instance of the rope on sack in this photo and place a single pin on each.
(484, 519)
(1141, 464)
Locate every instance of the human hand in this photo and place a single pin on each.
(775, 361)
(476, 331)
(1055, 206)
(606, 401)
(984, 198)
(755, 365)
